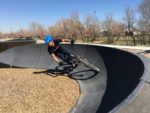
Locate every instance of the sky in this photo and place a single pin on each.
(16, 14)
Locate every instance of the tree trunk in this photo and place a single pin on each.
(126, 41)
(149, 39)
(143, 39)
(111, 38)
(134, 42)
(140, 39)
(108, 39)
(117, 37)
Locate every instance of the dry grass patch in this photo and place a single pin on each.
(21, 91)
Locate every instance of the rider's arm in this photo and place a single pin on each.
(66, 40)
(55, 58)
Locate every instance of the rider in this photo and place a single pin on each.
(55, 49)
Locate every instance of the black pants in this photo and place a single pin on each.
(62, 53)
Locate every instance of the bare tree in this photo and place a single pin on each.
(72, 28)
(87, 28)
(129, 20)
(92, 27)
(60, 29)
(21, 33)
(78, 27)
(144, 21)
(69, 28)
(40, 31)
(36, 30)
(118, 30)
(63, 28)
(52, 31)
(108, 26)
(143, 27)
(33, 26)
(96, 27)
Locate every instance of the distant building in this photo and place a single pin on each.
(5, 35)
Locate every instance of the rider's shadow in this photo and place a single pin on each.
(78, 73)
(58, 71)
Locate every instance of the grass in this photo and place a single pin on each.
(121, 41)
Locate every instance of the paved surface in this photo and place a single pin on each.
(141, 102)
(6, 44)
(121, 78)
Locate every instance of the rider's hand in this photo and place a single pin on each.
(60, 63)
(72, 42)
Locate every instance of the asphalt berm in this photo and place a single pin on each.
(121, 77)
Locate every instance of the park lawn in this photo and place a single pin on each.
(121, 41)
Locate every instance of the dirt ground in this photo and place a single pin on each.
(23, 91)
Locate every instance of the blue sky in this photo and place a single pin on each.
(16, 14)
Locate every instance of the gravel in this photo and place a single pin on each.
(22, 91)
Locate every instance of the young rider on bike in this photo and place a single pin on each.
(55, 49)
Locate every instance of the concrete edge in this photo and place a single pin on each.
(140, 85)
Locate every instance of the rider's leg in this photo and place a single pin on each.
(63, 57)
(66, 52)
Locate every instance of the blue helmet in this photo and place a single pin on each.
(48, 38)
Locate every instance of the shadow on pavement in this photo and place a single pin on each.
(68, 70)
